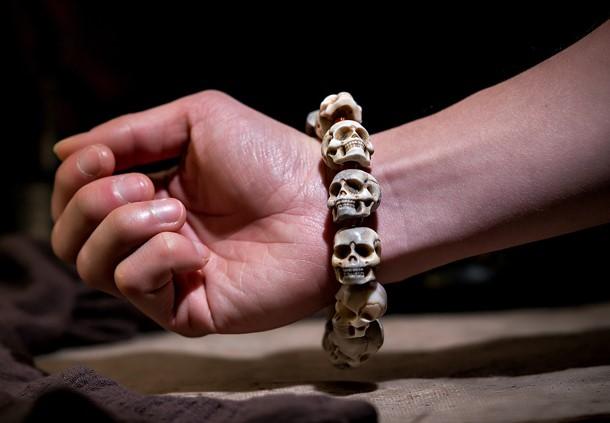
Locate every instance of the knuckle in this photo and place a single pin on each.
(123, 279)
(57, 246)
(210, 105)
(85, 204)
(62, 180)
(83, 266)
(58, 181)
(123, 219)
(125, 124)
(213, 95)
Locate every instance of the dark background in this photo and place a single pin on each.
(72, 65)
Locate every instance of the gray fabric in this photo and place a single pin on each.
(43, 307)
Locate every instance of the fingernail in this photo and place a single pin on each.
(89, 163)
(166, 210)
(130, 188)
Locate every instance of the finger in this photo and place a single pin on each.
(149, 136)
(122, 231)
(147, 277)
(85, 165)
(90, 205)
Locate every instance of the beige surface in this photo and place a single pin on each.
(534, 365)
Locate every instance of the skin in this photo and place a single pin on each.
(237, 238)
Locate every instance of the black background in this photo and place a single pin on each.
(71, 65)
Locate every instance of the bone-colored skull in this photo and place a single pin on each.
(356, 254)
(357, 306)
(337, 107)
(368, 302)
(347, 323)
(352, 352)
(347, 141)
(353, 193)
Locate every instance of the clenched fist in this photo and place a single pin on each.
(233, 240)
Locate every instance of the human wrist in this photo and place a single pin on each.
(416, 220)
(510, 164)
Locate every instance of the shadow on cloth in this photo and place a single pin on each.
(160, 372)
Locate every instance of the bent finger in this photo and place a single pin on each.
(82, 167)
(90, 206)
(147, 276)
(122, 231)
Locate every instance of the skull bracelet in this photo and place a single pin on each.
(353, 332)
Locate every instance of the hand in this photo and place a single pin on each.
(232, 241)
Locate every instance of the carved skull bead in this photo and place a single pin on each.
(347, 323)
(353, 193)
(357, 306)
(352, 352)
(336, 107)
(356, 254)
(347, 141)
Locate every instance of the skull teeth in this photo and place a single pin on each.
(345, 203)
(354, 144)
(353, 272)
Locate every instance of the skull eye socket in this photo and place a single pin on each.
(354, 184)
(364, 250)
(342, 251)
(362, 133)
(343, 133)
(345, 312)
(335, 188)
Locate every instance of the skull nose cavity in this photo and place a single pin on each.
(352, 254)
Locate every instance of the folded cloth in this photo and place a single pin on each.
(43, 307)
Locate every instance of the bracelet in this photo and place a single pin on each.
(353, 331)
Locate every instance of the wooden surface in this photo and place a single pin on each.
(517, 366)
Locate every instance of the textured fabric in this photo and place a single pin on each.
(538, 365)
(43, 307)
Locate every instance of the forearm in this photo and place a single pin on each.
(521, 161)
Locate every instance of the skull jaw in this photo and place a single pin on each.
(355, 275)
(360, 211)
(356, 154)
